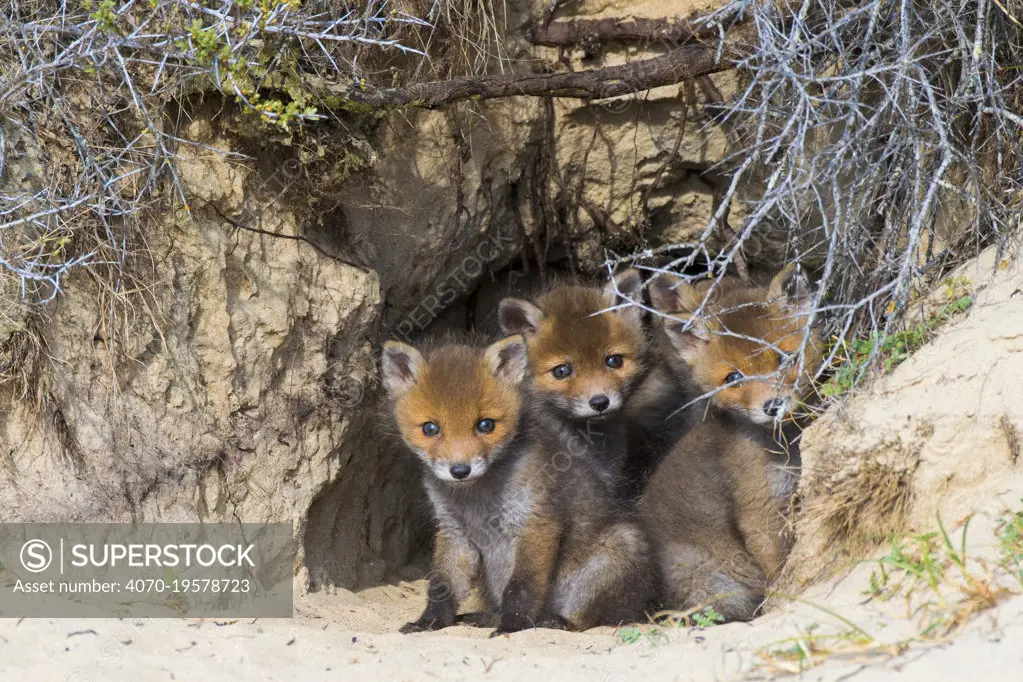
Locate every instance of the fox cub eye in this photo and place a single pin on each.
(562, 371)
(614, 361)
(734, 378)
(430, 429)
(485, 425)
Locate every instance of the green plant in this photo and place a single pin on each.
(1010, 544)
(203, 42)
(941, 585)
(916, 558)
(629, 635)
(887, 350)
(654, 635)
(657, 635)
(810, 648)
(278, 112)
(707, 618)
(105, 15)
(704, 617)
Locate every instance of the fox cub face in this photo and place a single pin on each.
(457, 408)
(743, 348)
(583, 363)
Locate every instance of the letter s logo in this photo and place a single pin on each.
(36, 556)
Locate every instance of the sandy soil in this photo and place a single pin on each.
(345, 635)
(352, 636)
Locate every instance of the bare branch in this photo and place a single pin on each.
(676, 66)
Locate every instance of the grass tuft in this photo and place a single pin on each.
(941, 586)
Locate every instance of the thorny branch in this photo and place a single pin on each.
(87, 85)
(878, 142)
(872, 139)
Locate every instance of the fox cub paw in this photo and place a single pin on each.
(475, 620)
(553, 622)
(425, 625)
(512, 622)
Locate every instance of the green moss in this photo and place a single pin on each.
(357, 107)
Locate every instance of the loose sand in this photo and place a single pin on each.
(352, 636)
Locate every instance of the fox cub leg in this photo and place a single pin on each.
(694, 578)
(758, 512)
(455, 566)
(526, 592)
(605, 581)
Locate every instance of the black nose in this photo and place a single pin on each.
(600, 402)
(773, 407)
(460, 471)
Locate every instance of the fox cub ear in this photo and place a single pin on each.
(401, 366)
(791, 289)
(668, 293)
(691, 342)
(518, 317)
(626, 286)
(506, 359)
(675, 297)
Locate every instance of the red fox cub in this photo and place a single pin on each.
(714, 508)
(584, 363)
(742, 350)
(716, 528)
(520, 514)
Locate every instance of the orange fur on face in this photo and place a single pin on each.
(571, 334)
(743, 330)
(459, 407)
(456, 391)
(759, 361)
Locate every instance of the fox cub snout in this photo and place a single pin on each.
(583, 362)
(742, 348)
(458, 407)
